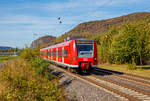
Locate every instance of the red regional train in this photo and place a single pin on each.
(78, 55)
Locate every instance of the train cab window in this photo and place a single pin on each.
(85, 50)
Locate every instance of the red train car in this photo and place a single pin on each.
(79, 54)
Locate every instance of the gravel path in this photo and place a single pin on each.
(78, 90)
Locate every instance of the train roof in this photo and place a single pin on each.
(57, 45)
(64, 43)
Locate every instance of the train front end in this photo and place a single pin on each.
(86, 55)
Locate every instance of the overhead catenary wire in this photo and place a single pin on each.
(60, 22)
(108, 2)
(60, 19)
(80, 21)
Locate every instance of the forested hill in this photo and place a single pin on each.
(43, 41)
(94, 28)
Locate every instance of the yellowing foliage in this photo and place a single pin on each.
(22, 83)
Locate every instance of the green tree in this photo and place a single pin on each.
(132, 42)
(105, 42)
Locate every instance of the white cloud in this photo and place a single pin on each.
(21, 21)
(123, 2)
(73, 4)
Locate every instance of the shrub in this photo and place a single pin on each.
(132, 66)
(22, 83)
(28, 53)
(42, 67)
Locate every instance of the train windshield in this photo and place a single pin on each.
(85, 50)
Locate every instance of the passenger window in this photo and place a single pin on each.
(59, 53)
(48, 53)
(55, 53)
(66, 53)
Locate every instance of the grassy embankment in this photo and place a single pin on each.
(29, 78)
(6, 58)
(143, 71)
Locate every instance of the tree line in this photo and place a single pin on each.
(125, 44)
(11, 50)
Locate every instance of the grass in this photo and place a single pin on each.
(142, 71)
(6, 58)
(28, 78)
(20, 82)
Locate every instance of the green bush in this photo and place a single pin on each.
(28, 53)
(105, 45)
(42, 67)
(21, 83)
(29, 78)
(132, 66)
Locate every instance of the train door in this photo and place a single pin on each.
(51, 54)
(54, 54)
(66, 55)
(46, 53)
(62, 54)
(57, 54)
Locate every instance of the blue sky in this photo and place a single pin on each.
(21, 19)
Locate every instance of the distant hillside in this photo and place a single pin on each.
(4, 48)
(91, 29)
(43, 41)
(94, 28)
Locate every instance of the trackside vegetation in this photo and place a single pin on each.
(29, 78)
(127, 44)
(7, 58)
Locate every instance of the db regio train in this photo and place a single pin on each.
(78, 55)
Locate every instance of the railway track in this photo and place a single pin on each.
(125, 76)
(123, 91)
(138, 87)
(139, 94)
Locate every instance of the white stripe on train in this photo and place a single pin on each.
(64, 64)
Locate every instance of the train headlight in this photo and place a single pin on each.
(95, 58)
(74, 58)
